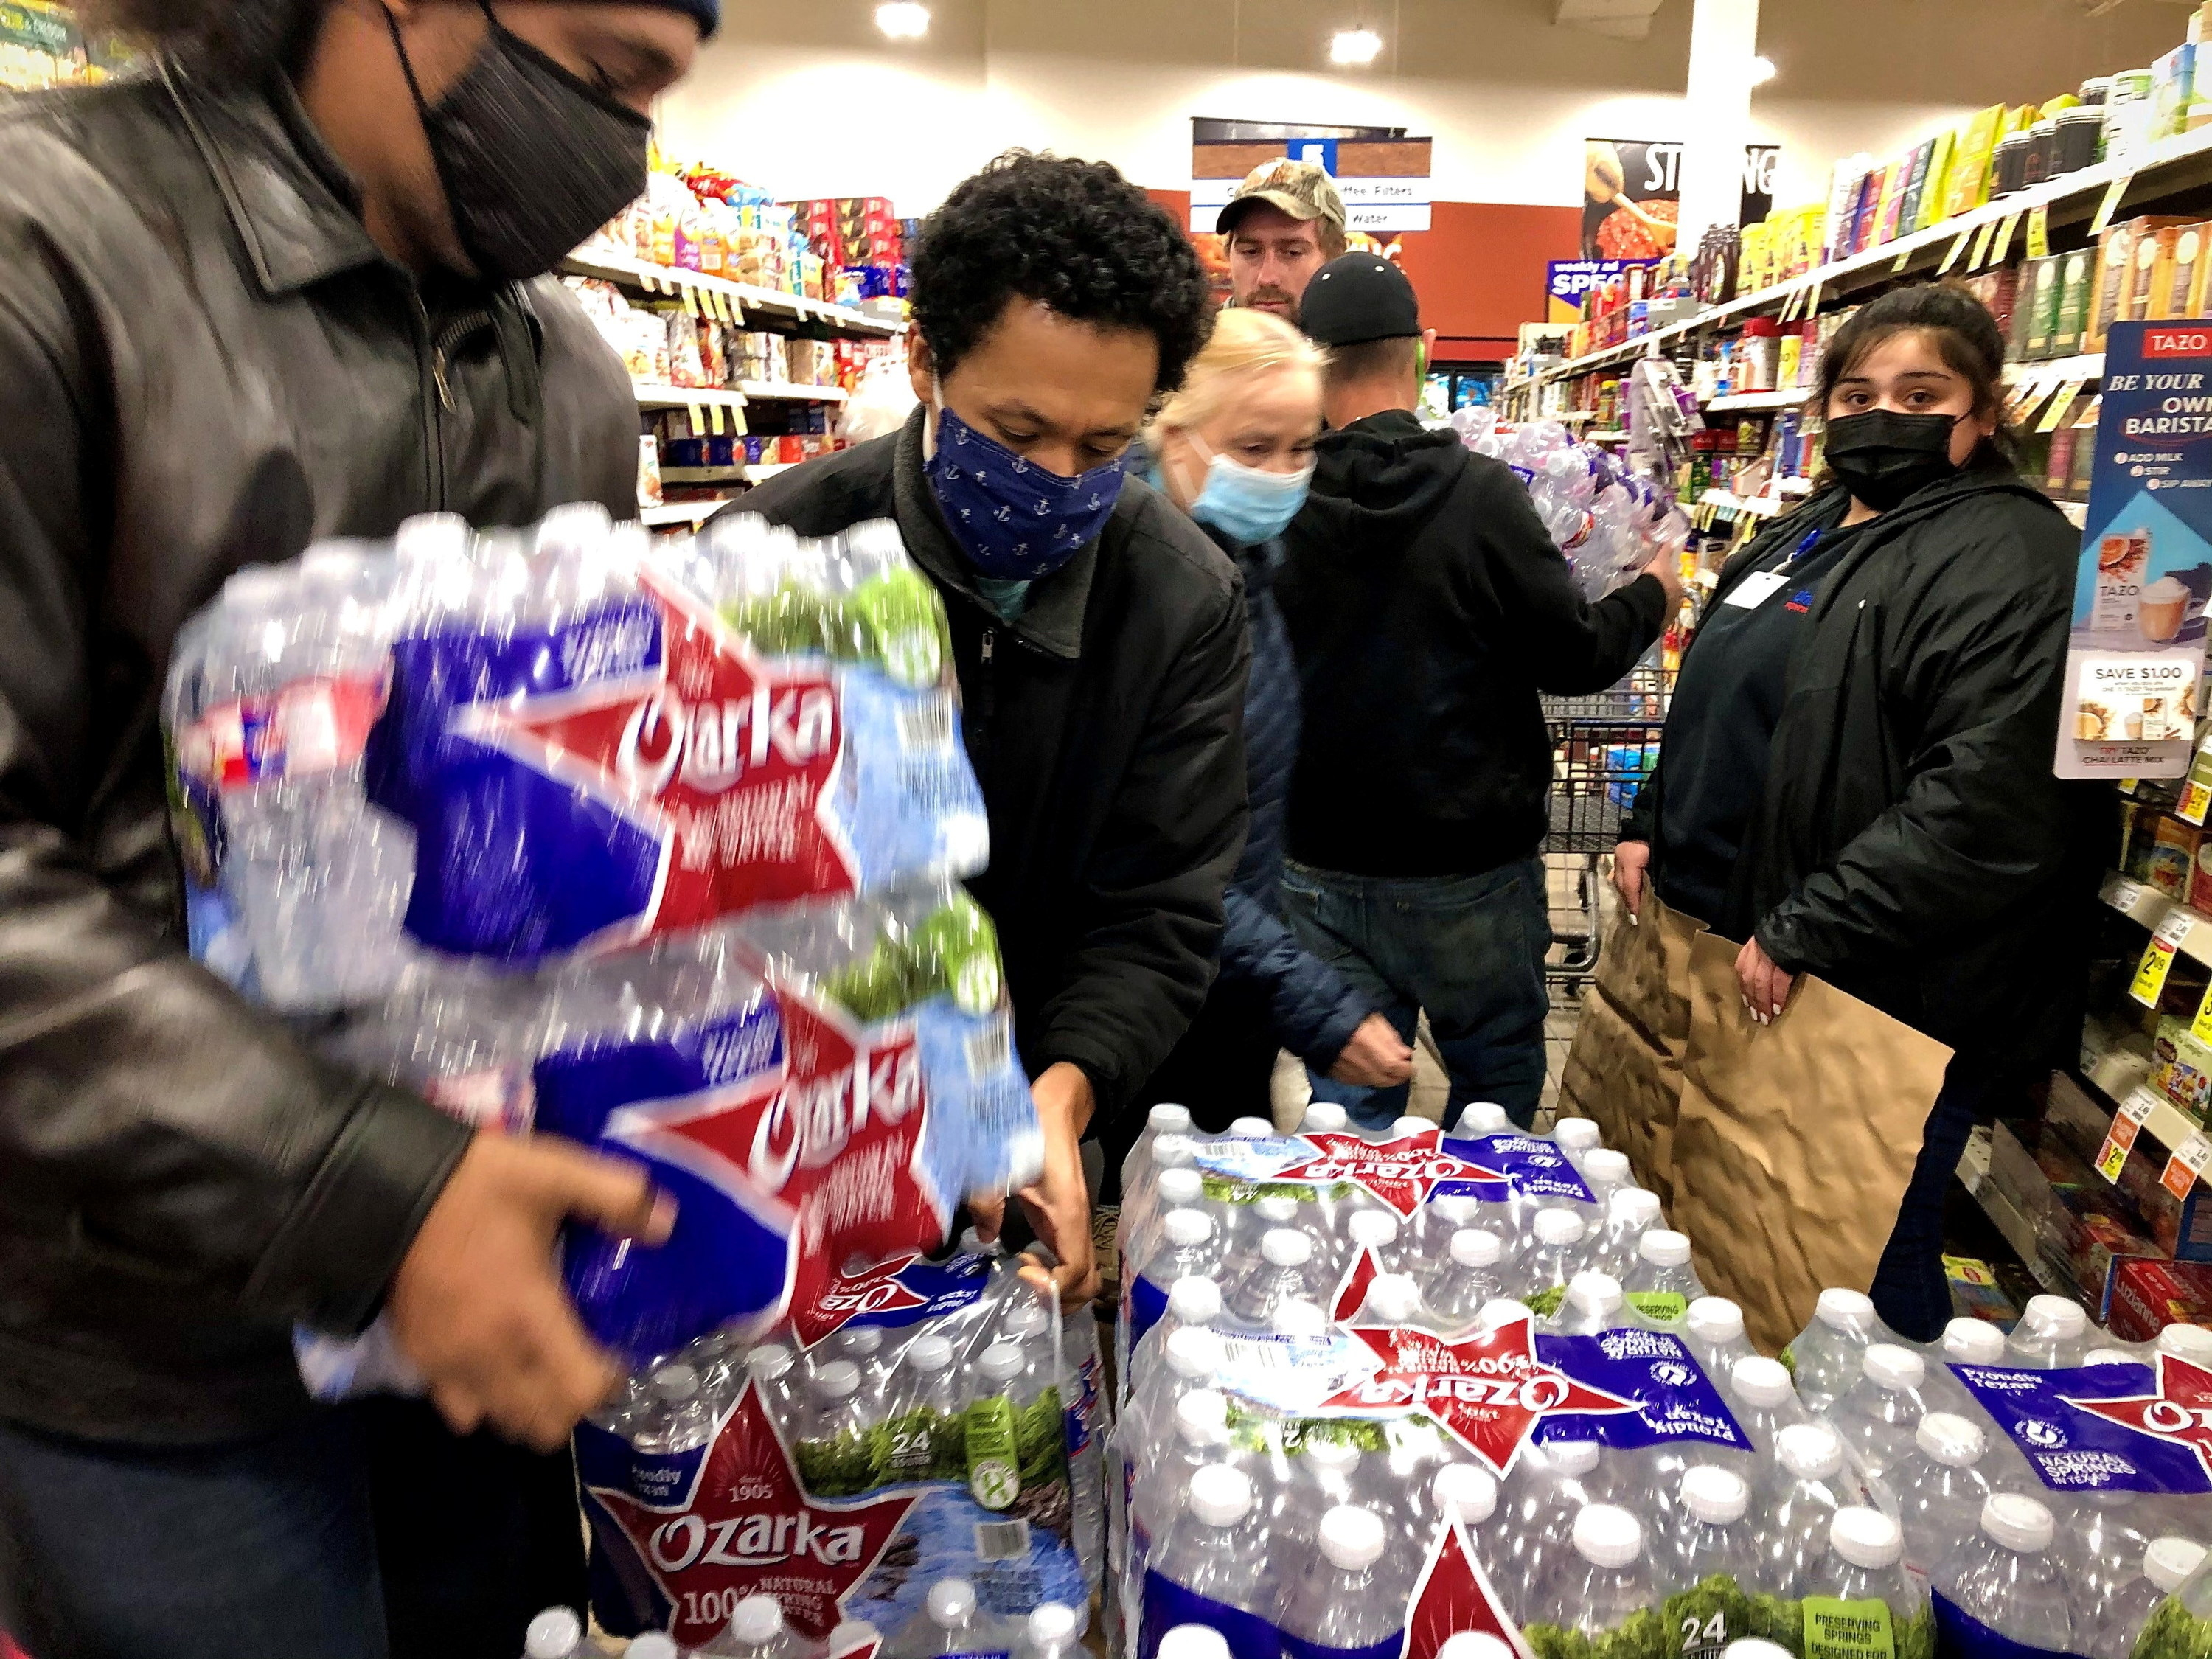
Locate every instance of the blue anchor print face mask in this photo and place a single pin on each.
(1015, 520)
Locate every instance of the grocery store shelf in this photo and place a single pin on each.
(762, 471)
(2161, 170)
(2139, 901)
(704, 475)
(1759, 507)
(2019, 1232)
(676, 512)
(650, 396)
(1605, 437)
(668, 279)
(2057, 371)
(792, 391)
(2077, 512)
(1790, 398)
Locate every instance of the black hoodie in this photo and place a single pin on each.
(1427, 607)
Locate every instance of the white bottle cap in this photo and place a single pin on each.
(1663, 1249)
(1888, 1366)
(1352, 1538)
(2167, 1563)
(951, 1602)
(1168, 1119)
(1373, 1230)
(1502, 1310)
(754, 1620)
(1594, 1294)
(1809, 1451)
(1194, 1351)
(1324, 1117)
(553, 1634)
(1972, 1342)
(1717, 1320)
(849, 1636)
(1474, 1644)
(1001, 1362)
(1220, 1494)
(841, 1378)
(1559, 1227)
(1394, 1296)
(1252, 1128)
(863, 1341)
(1607, 1535)
(1410, 1125)
(2018, 1523)
(1202, 1417)
(1483, 1117)
(1476, 1247)
(1845, 1310)
(1632, 1208)
(1714, 1495)
(2108, 1356)
(1194, 1642)
(653, 1644)
(1052, 1622)
(2190, 1342)
(1295, 1316)
(1576, 1134)
(1179, 1188)
(929, 1354)
(1277, 1212)
(1171, 1152)
(433, 535)
(2053, 1319)
(1194, 1300)
(1187, 1229)
(1866, 1538)
(1463, 1490)
(674, 1384)
(1572, 1457)
(768, 1361)
(1028, 1316)
(1602, 1163)
(1455, 1210)
(1283, 1247)
(1760, 1381)
(1956, 1441)
(1332, 1457)
(1754, 1647)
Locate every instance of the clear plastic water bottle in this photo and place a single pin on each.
(1323, 1117)
(1809, 1488)
(1325, 1473)
(1410, 1124)
(2190, 1342)
(1593, 1303)
(1193, 1303)
(1661, 1284)
(1456, 1490)
(757, 1630)
(1392, 1299)
(1939, 1489)
(2166, 1564)
(1213, 1561)
(1548, 1485)
(1577, 1137)
(1376, 1233)
(1504, 1312)
(1191, 1358)
(1829, 1354)
(1878, 1414)
(1198, 1435)
(2102, 1536)
(1194, 1642)
(1251, 1129)
(1865, 1564)
(1710, 1536)
(836, 1406)
(1764, 1403)
(1713, 1327)
(2053, 1334)
(1336, 1604)
(1965, 1341)
(683, 1419)
(1606, 1172)
(653, 1644)
(775, 1374)
(1540, 1276)
(1606, 1581)
(1284, 1270)
(556, 1633)
(1474, 1644)
(1187, 1247)
(2003, 1582)
(1179, 1188)
(1295, 1316)
(951, 1622)
(1467, 1276)
(1482, 1117)
(1164, 1119)
(1433, 1224)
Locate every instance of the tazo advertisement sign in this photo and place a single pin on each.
(2136, 652)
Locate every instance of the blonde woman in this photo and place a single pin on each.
(1234, 449)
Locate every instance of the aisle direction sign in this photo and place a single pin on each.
(1385, 182)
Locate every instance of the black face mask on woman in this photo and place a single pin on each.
(533, 158)
(1884, 457)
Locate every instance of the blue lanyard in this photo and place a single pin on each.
(1804, 548)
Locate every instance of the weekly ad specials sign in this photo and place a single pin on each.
(2136, 656)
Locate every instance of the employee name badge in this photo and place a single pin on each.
(1752, 591)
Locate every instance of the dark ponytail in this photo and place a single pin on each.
(1965, 337)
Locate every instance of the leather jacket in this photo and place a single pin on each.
(205, 362)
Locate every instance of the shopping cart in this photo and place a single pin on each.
(1603, 747)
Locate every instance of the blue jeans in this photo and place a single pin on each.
(124, 1552)
(1467, 951)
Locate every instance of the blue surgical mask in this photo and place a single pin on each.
(1247, 504)
(1015, 520)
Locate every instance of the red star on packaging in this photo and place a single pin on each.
(745, 1525)
(845, 1297)
(1455, 1596)
(2181, 1411)
(726, 761)
(1488, 1390)
(1402, 1173)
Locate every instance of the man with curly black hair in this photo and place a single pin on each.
(1099, 635)
(288, 283)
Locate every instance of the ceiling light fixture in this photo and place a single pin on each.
(1354, 46)
(903, 20)
(1762, 71)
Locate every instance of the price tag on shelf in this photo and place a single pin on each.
(2039, 231)
(2158, 957)
(698, 414)
(1813, 300)
(737, 420)
(1980, 256)
(690, 299)
(2029, 403)
(2056, 415)
(714, 417)
(2110, 205)
(1957, 247)
(2086, 420)
(2127, 1123)
(1903, 261)
(2201, 1027)
(2187, 1164)
(2005, 232)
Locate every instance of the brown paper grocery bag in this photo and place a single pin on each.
(1624, 1069)
(1794, 1140)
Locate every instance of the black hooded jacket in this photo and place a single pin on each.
(1913, 846)
(1428, 607)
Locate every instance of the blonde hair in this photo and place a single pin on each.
(1243, 343)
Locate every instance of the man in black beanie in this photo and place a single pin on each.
(1427, 607)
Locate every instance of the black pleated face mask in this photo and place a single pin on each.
(1885, 458)
(533, 158)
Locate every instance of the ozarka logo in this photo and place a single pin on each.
(709, 746)
(754, 1541)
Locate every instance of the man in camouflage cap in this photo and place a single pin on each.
(1284, 223)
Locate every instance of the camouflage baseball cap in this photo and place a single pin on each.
(1301, 188)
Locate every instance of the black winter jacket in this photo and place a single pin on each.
(1913, 846)
(205, 362)
(1428, 607)
(1106, 726)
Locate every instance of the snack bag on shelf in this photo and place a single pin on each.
(896, 1457)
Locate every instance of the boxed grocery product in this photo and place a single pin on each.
(1935, 194)
(1968, 185)
(2047, 277)
(2117, 276)
(2075, 269)
(2181, 1069)
(2174, 846)
(1976, 1292)
(2177, 279)
(2148, 1296)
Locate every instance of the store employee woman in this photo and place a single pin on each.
(1857, 773)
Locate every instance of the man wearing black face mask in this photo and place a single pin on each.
(280, 287)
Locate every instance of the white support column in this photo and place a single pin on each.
(1723, 40)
